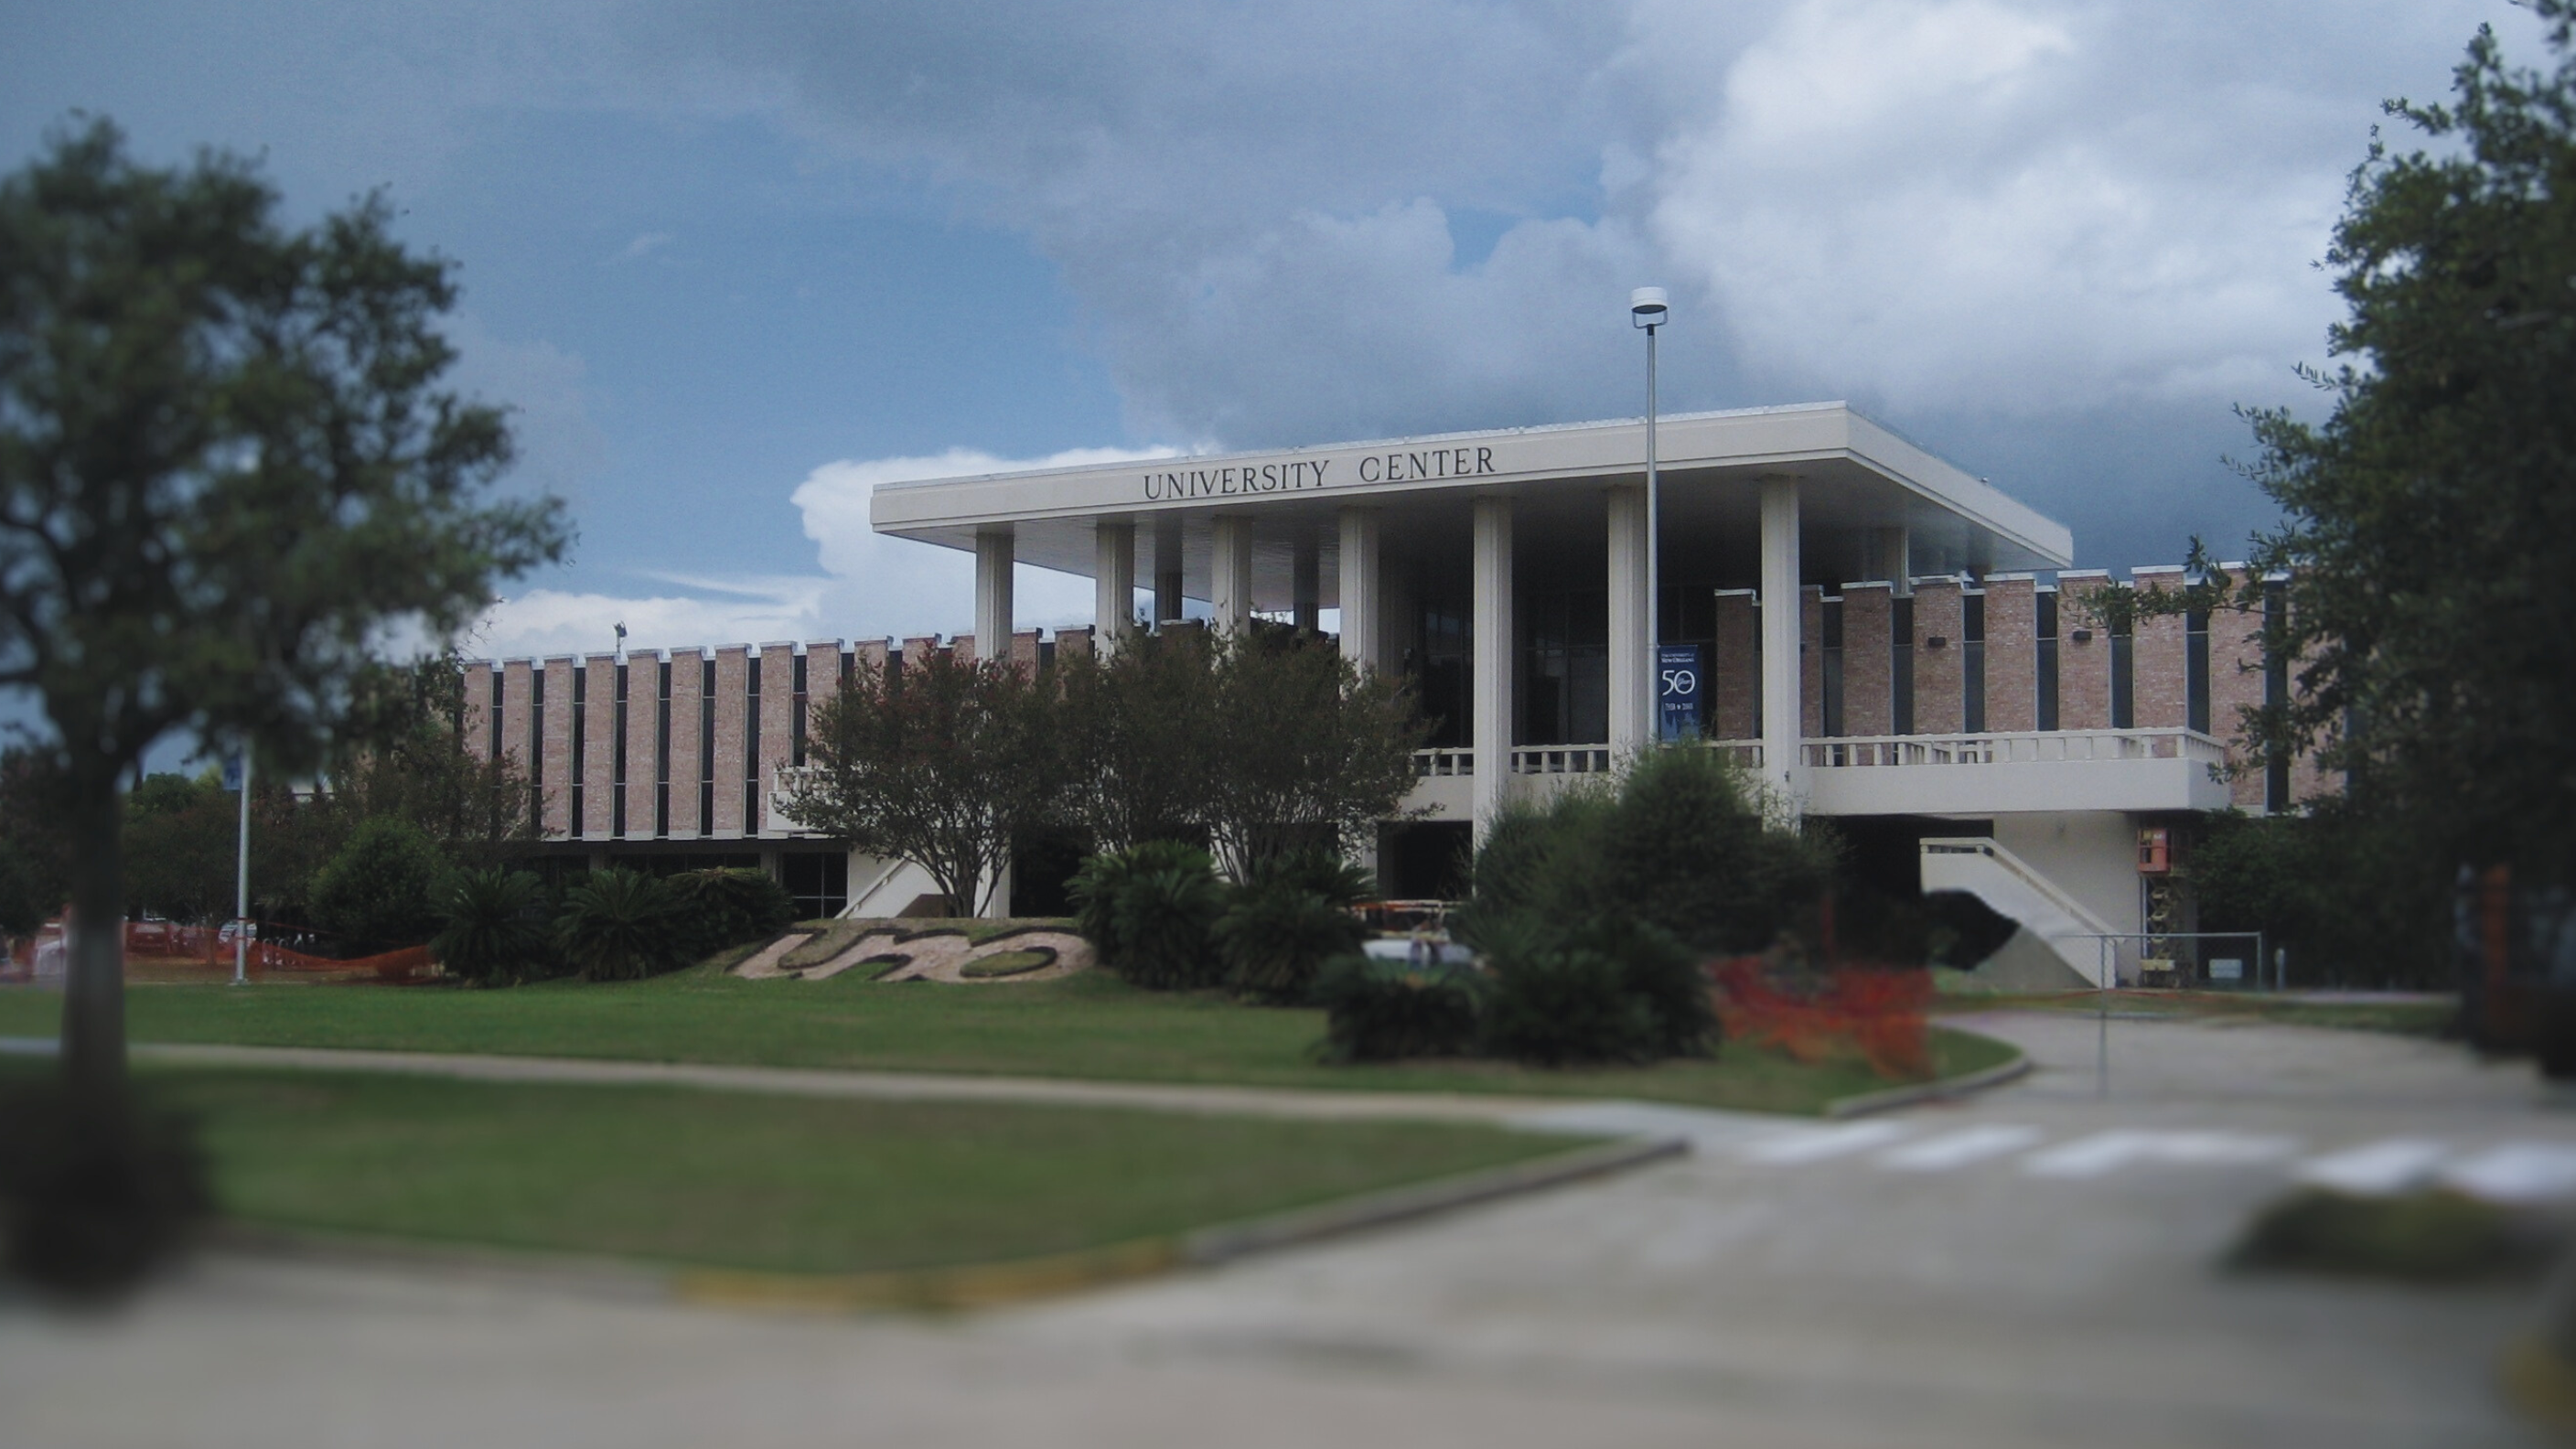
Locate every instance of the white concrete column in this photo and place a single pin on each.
(1230, 575)
(1780, 611)
(1890, 550)
(1491, 685)
(1306, 588)
(1357, 565)
(1631, 680)
(993, 549)
(1113, 574)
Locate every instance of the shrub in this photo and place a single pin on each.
(1275, 935)
(618, 925)
(1377, 1011)
(496, 931)
(1147, 911)
(93, 1195)
(379, 892)
(1606, 991)
(726, 907)
(1681, 844)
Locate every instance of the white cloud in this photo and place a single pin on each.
(871, 586)
(1947, 203)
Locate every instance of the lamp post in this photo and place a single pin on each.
(1648, 309)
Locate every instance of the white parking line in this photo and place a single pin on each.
(1818, 1143)
(1958, 1149)
(2375, 1168)
(2106, 1152)
(2516, 1172)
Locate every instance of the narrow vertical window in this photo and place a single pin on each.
(617, 761)
(496, 709)
(1833, 702)
(537, 745)
(580, 739)
(1972, 662)
(751, 750)
(2276, 691)
(2124, 674)
(1900, 679)
(796, 736)
(2195, 670)
(662, 750)
(707, 746)
(2047, 682)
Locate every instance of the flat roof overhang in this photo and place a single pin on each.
(1853, 475)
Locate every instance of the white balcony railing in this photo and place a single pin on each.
(1561, 760)
(2035, 747)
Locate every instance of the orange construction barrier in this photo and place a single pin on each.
(1880, 1013)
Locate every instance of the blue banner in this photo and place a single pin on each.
(1681, 674)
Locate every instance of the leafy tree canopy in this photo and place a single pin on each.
(2431, 518)
(227, 468)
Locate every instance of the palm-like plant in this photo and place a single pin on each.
(496, 926)
(618, 925)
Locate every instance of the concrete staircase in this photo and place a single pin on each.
(2011, 888)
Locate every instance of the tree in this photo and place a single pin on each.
(181, 836)
(1308, 750)
(1135, 727)
(382, 891)
(227, 467)
(2430, 517)
(942, 765)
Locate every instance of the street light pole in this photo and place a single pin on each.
(1648, 309)
(241, 881)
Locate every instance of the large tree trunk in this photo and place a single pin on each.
(94, 975)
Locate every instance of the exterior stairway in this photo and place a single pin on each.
(2009, 886)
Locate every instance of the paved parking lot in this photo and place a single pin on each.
(2034, 1268)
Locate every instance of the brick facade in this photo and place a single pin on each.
(599, 748)
(1938, 672)
(1738, 667)
(2012, 653)
(643, 673)
(778, 663)
(1869, 659)
(687, 687)
(2083, 665)
(2236, 681)
(2235, 686)
(733, 745)
(554, 748)
(2157, 661)
(477, 715)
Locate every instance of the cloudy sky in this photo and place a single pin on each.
(732, 262)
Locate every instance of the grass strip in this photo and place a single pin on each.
(769, 1184)
(1089, 1025)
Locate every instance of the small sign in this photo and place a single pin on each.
(232, 771)
(2227, 968)
(1681, 674)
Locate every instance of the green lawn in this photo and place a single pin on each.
(1086, 1025)
(787, 1184)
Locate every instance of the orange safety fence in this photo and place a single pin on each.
(161, 949)
(1880, 1013)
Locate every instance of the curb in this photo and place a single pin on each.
(979, 1285)
(1947, 1087)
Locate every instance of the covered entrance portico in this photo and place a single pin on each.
(1505, 571)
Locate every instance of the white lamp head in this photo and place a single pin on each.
(1647, 307)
